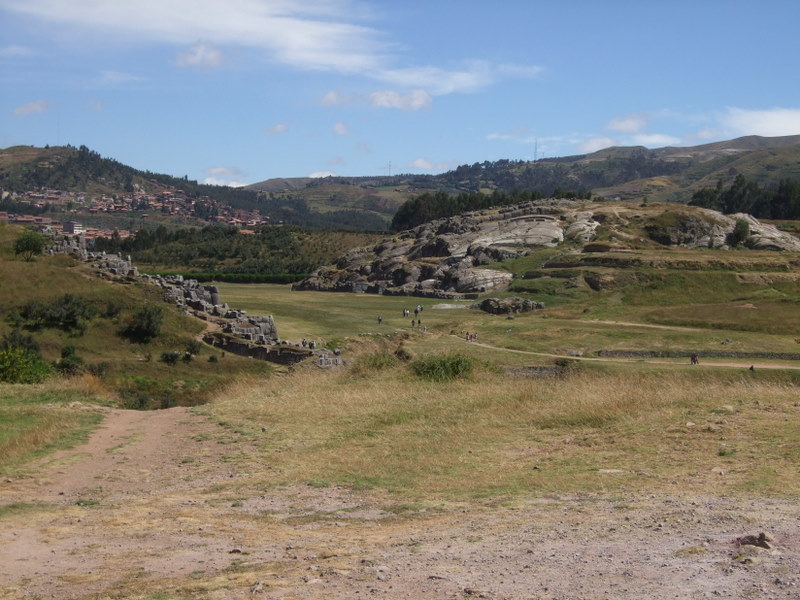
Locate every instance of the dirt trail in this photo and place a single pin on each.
(165, 504)
(743, 364)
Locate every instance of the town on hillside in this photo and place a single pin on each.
(167, 201)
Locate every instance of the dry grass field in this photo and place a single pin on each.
(618, 477)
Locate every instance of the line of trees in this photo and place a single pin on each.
(428, 206)
(781, 201)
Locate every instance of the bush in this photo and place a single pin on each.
(16, 339)
(29, 244)
(70, 363)
(194, 347)
(69, 313)
(21, 366)
(99, 369)
(112, 309)
(144, 325)
(740, 233)
(170, 358)
(443, 368)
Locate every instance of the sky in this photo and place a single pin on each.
(232, 92)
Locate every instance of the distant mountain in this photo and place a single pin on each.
(625, 173)
(663, 174)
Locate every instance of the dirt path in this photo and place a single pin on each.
(743, 364)
(168, 504)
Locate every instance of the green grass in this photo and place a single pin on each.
(35, 420)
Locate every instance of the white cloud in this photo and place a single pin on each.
(15, 51)
(224, 175)
(320, 174)
(336, 160)
(32, 108)
(416, 100)
(655, 140)
(277, 129)
(364, 148)
(324, 35)
(223, 171)
(629, 124)
(95, 105)
(341, 129)
(440, 81)
(314, 34)
(423, 164)
(518, 134)
(521, 71)
(708, 133)
(202, 55)
(219, 181)
(334, 98)
(770, 122)
(597, 143)
(117, 77)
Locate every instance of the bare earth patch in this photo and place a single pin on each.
(165, 503)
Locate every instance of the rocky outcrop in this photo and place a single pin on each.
(508, 306)
(710, 229)
(449, 257)
(453, 257)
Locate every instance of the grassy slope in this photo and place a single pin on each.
(617, 427)
(606, 428)
(31, 416)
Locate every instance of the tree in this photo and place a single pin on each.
(740, 233)
(29, 244)
(144, 325)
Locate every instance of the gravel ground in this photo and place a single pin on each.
(153, 504)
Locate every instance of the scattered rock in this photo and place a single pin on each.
(762, 540)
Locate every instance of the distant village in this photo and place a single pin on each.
(141, 205)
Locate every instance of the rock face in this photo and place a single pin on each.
(710, 229)
(447, 258)
(508, 306)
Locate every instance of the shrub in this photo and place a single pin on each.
(402, 354)
(29, 244)
(21, 366)
(24, 341)
(70, 363)
(443, 367)
(112, 309)
(69, 312)
(99, 369)
(194, 347)
(170, 358)
(740, 233)
(144, 325)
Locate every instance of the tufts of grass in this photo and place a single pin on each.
(494, 435)
(443, 368)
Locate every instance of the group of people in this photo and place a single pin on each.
(310, 344)
(417, 310)
(471, 336)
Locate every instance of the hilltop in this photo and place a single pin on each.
(671, 174)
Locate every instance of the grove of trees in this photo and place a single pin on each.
(781, 201)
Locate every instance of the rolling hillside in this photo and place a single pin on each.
(627, 173)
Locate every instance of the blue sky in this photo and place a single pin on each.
(237, 91)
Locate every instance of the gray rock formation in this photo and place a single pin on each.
(508, 306)
(448, 258)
